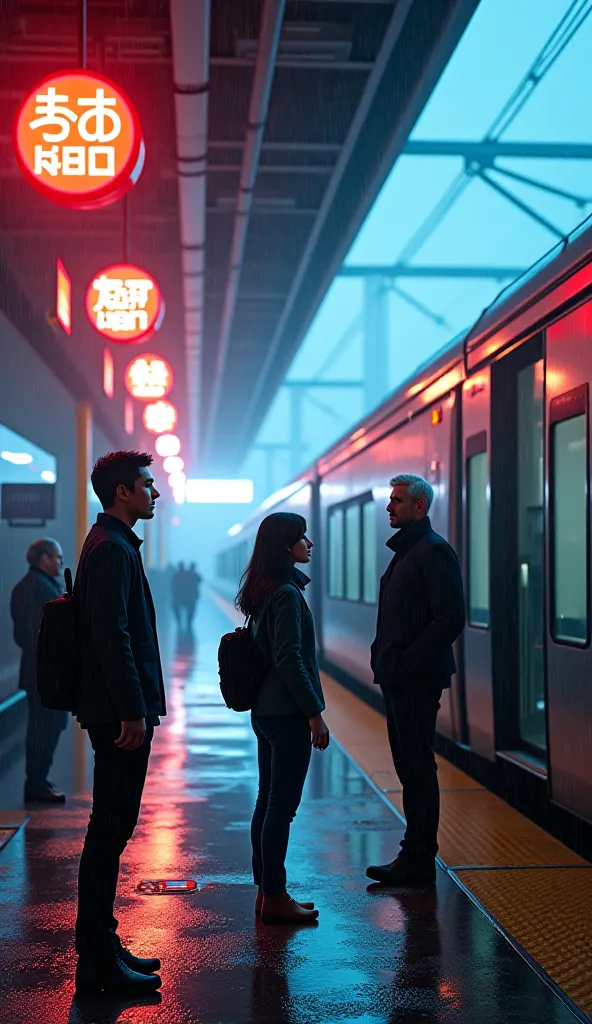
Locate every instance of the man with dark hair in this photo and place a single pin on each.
(421, 612)
(120, 701)
(40, 585)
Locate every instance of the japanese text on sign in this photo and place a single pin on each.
(121, 305)
(79, 140)
(149, 377)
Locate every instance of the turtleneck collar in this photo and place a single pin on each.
(407, 536)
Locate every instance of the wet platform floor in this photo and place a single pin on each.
(375, 957)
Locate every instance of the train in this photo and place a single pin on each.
(499, 423)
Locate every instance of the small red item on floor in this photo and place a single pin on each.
(162, 887)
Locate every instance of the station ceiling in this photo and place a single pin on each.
(350, 80)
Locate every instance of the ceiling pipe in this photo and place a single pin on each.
(190, 34)
(269, 37)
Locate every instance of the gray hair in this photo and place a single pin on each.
(38, 549)
(418, 487)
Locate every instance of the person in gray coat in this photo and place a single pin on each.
(44, 727)
(287, 714)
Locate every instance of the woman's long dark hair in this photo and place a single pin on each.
(270, 563)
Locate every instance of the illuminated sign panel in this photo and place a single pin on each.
(129, 416)
(108, 374)
(78, 140)
(219, 492)
(64, 298)
(159, 417)
(124, 304)
(148, 376)
(167, 444)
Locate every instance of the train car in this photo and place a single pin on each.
(499, 423)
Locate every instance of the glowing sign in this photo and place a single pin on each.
(129, 416)
(177, 480)
(167, 444)
(148, 377)
(78, 140)
(172, 464)
(108, 374)
(63, 298)
(124, 304)
(159, 417)
(223, 492)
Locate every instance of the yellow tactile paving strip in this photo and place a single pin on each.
(549, 912)
(545, 907)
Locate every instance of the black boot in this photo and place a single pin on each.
(141, 964)
(45, 794)
(112, 975)
(404, 872)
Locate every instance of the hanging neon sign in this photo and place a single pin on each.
(124, 304)
(149, 377)
(78, 140)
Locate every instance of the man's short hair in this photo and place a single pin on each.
(39, 548)
(114, 469)
(418, 487)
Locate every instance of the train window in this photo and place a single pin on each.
(353, 521)
(478, 539)
(569, 505)
(336, 550)
(369, 581)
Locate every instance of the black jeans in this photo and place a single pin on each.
(44, 728)
(283, 753)
(117, 791)
(411, 713)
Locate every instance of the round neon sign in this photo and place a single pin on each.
(124, 304)
(167, 444)
(160, 417)
(78, 140)
(148, 377)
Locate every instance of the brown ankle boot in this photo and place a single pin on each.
(259, 903)
(284, 910)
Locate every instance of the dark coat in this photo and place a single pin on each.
(285, 630)
(421, 610)
(26, 604)
(121, 675)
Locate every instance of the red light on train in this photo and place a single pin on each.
(436, 417)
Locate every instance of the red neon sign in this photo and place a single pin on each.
(108, 374)
(78, 140)
(124, 304)
(149, 377)
(63, 298)
(160, 417)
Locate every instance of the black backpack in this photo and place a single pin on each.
(57, 652)
(242, 667)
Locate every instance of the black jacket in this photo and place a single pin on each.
(26, 604)
(284, 629)
(421, 610)
(121, 675)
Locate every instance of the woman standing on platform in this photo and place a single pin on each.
(287, 715)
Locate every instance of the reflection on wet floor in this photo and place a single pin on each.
(374, 957)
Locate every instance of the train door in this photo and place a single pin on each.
(476, 437)
(518, 546)
(568, 634)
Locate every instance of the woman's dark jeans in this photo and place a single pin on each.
(283, 752)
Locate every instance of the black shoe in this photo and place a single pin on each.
(113, 976)
(141, 964)
(404, 873)
(44, 795)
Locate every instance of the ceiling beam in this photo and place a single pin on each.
(273, 147)
(486, 151)
(408, 270)
(295, 63)
(318, 169)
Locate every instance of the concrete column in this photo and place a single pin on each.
(376, 341)
(296, 454)
(83, 469)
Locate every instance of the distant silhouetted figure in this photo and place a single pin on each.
(40, 585)
(185, 593)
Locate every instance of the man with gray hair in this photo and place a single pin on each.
(40, 585)
(421, 612)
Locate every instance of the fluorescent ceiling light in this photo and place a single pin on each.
(219, 492)
(49, 476)
(17, 458)
(286, 492)
(235, 529)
